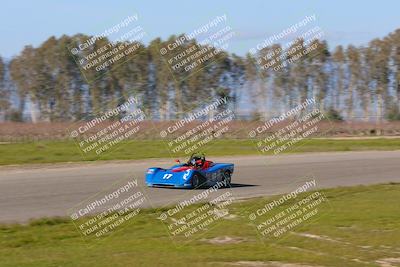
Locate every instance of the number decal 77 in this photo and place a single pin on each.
(167, 176)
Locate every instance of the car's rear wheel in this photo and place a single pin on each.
(227, 178)
(196, 180)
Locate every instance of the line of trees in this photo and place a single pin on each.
(349, 83)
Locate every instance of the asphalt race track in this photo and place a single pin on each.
(50, 190)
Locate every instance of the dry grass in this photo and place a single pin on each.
(24, 132)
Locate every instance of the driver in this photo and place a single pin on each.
(196, 162)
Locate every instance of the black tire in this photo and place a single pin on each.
(196, 181)
(227, 178)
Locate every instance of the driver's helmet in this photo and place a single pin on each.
(196, 161)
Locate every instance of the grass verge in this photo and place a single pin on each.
(67, 151)
(361, 228)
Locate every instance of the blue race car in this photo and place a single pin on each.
(195, 173)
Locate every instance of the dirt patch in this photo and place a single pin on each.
(319, 237)
(388, 262)
(224, 213)
(224, 240)
(268, 264)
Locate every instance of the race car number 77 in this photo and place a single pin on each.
(167, 176)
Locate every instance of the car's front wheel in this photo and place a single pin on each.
(196, 181)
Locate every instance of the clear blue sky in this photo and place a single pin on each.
(344, 22)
